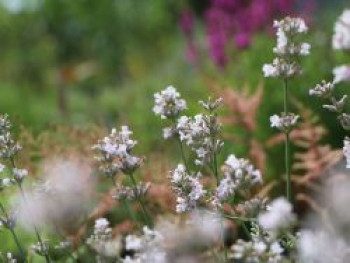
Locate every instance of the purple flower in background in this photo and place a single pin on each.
(233, 23)
(187, 27)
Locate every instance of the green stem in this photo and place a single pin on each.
(287, 146)
(126, 205)
(215, 169)
(142, 205)
(183, 156)
(13, 233)
(130, 212)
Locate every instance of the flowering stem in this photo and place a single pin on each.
(215, 170)
(47, 258)
(13, 233)
(287, 145)
(146, 215)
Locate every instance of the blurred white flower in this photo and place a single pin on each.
(279, 216)
(341, 35)
(341, 73)
(321, 247)
(2, 167)
(19, 174)
(61, 197)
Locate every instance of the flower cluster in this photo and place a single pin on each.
(8, 258)
(288, 49)
(8, 147)
(238, 173)
(9, 220)
(168, 103)
(145, 248)
(56, 252)
(314, 246)
(341, 36)
(341, 41)
(261, 248)
(284, 123)
(188, 188)
(279, 216)
(115, 153)
(5, 182)
(131, 193)
(341, 73)
(325, 90)
(101, 240)
(199, 133)
(251, 208)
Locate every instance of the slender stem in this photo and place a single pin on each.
(287, 146)
(47, 258)
(126, 205)
(243, 219)
(183, 156)
(13, 233)
(142, 205)
(215, 170)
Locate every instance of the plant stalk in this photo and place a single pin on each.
(287, 147)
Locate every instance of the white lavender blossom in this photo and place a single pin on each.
(131, 193)
(115, 153)
(9, 258)
(146, 248)
(8, 147)
(279, 216)
(337, 105)
(346, 151)
(5, 182)
(324, 90)
(239, 173)
(102, 231)
(2, 167)
(188, 187)
(9, 220)
(261, 248)
(284, 122)
(41, 248)
(286, 29)
(341, 35)
(281, 68)
(287, 49)
(199, 133)
(19, 174)
(344, 120)
(341, 73)
(168, 103)
(251, 208)
(321, 247)
(102, 241)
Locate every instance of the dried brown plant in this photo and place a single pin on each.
(243, 109)
(311, 159)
